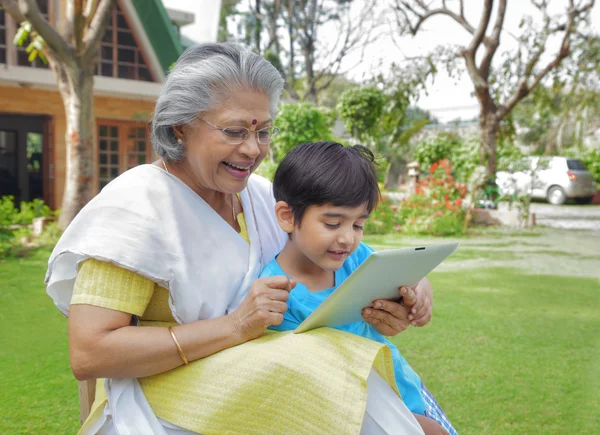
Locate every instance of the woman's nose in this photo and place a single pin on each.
(250, 146)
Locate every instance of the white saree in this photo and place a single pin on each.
(150, 222)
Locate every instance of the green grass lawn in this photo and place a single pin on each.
(507, 351)
(38, 391)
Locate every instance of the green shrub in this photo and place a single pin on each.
(465, 159)
(6, 242)
(463, 153)
(19, 242)
(591, 158)
(507, 153)
(383, 219)
(49, 236)
(11, 215)
(435, 148)
(8, 211)
(362, 109)
(16, 242)
(267, 169)
(436, 207)
(300, 123)
(11, 242)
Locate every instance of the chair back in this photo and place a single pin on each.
(87, 392)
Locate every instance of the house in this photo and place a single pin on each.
(141, 41)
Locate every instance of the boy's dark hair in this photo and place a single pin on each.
(318, 173)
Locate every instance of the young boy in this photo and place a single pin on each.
(324, 193)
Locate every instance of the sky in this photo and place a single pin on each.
(206, 12)
(447, 98)
(451, 98)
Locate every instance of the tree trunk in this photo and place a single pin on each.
(311, 91)
(76, 88)
(489, 126)
(258, 27)
(396, 171)
(291, 78)
(273, 39)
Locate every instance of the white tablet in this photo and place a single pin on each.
(378, 277)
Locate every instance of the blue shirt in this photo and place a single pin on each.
(302, 302)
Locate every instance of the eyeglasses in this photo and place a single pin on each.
(237, 135)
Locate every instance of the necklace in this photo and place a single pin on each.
(233, 212)
(261, 256)
(165, 165)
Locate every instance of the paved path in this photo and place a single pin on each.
(542, 251)
(568, 216)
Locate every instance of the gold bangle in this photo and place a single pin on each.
(181, 354)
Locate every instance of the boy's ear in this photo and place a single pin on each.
(285, 217)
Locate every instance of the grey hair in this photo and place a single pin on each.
(202, 78)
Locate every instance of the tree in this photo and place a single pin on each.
(228, 9)
(299, 123)
(377, 119)
(330, 96)
(557, 117)
(415, 114)
(290, 34)
(362, 109)
(72, 55)
(499, 90)
(354, 28)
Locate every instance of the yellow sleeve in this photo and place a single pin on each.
(105, 285)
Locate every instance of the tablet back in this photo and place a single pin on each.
(378, 277)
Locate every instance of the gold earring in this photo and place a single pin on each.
(179, 140)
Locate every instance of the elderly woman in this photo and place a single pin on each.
(177, 247)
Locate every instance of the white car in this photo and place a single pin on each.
(555, 179)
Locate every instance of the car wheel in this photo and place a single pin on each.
(584, 200)
(556, 195)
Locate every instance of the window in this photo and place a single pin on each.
(2, 37)
(119, 53)
(137, 147)
(121, 146)
(22, 55)
(108, 154)
(35, 149)
(9, 170)
(575, 165)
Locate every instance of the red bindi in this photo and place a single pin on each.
(254, 121)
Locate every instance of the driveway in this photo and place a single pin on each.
(568, 216)
(538, 251)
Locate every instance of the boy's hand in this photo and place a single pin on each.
(420, 313)
(264, 306)
(387, 317)
(409, 298)
(391, 318)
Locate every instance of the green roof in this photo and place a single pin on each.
(159, 30)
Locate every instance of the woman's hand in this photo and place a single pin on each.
(264, 306)
(391, 318)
